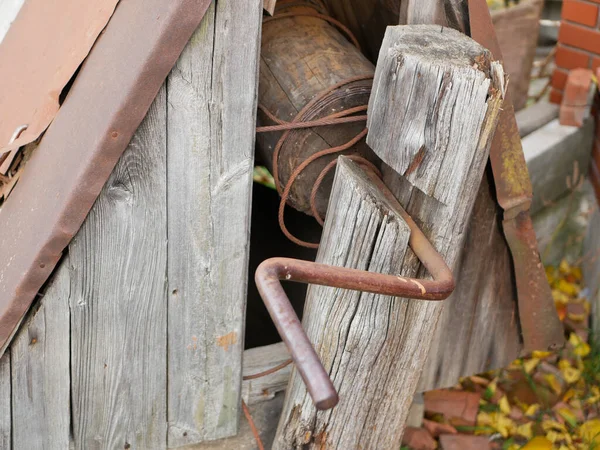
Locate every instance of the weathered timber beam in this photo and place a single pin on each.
(375, 347)
(477, 330)
(212, 94)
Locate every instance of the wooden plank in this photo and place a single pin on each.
(385, 350)
(118, 262)
(212, 95)
(258, 360)
(357, 334)
(473, 311)
(40, 375)
(5, 403)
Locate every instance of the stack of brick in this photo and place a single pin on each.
(579, 47)
(578, 42)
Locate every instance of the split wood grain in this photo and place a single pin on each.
(212, 96)
(5, 403)
(425, 75)
(40, 371)
(445, 224)
(357, 335)
(478, 329)
(118, 262)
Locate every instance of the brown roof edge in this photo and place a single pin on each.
(110, 97)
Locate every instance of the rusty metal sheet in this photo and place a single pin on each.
(540, 325)
(111, 95)
(39, 54)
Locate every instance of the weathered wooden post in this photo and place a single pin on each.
(488, 303)
(432, 113)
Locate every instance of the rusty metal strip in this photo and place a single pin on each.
(110, 97)
(540, 325)
(271, 271)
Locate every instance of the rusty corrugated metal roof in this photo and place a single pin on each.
(38, 56)
(111, 95)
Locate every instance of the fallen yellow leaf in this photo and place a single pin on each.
(590, 431)
(540, 354)
(538, 443)
(504, 405)
(525, 430)
(530, 364)
(580, 347)
(553, 382)
(532, 410)
(548, 425)
(570, 374)
(568, 415)
(564, 267)
(568, 288)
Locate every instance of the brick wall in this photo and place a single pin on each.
(579, 47)
(578, 42)
(595, 164)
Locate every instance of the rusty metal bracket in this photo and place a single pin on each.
(540, 325)
(271, 271)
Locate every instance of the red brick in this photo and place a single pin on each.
(556, 96)
(579, 37)
(580, 12)
(459, 404)
(576, 103)
(418, 439)
(596, 63)
(464, 442)
(571, 59)
(559, 79)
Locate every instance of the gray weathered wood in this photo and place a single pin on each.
(118, 262)
(258, 360)
(212, 94)
(41, 380)
(411, 130)
(473, 309)
(358, 335)
(377, 375)
(5, 403)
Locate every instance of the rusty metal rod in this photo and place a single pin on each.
(271, 271)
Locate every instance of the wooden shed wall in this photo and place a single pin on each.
(118, 351)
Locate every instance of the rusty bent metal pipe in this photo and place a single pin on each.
(271, 271)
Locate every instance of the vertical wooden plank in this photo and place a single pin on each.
(40, 371)
(478, 328)
(357, 334)
(118, 301)
(5, 403)
(212, 95)
(459, 128)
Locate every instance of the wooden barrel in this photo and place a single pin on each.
(309, 70)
